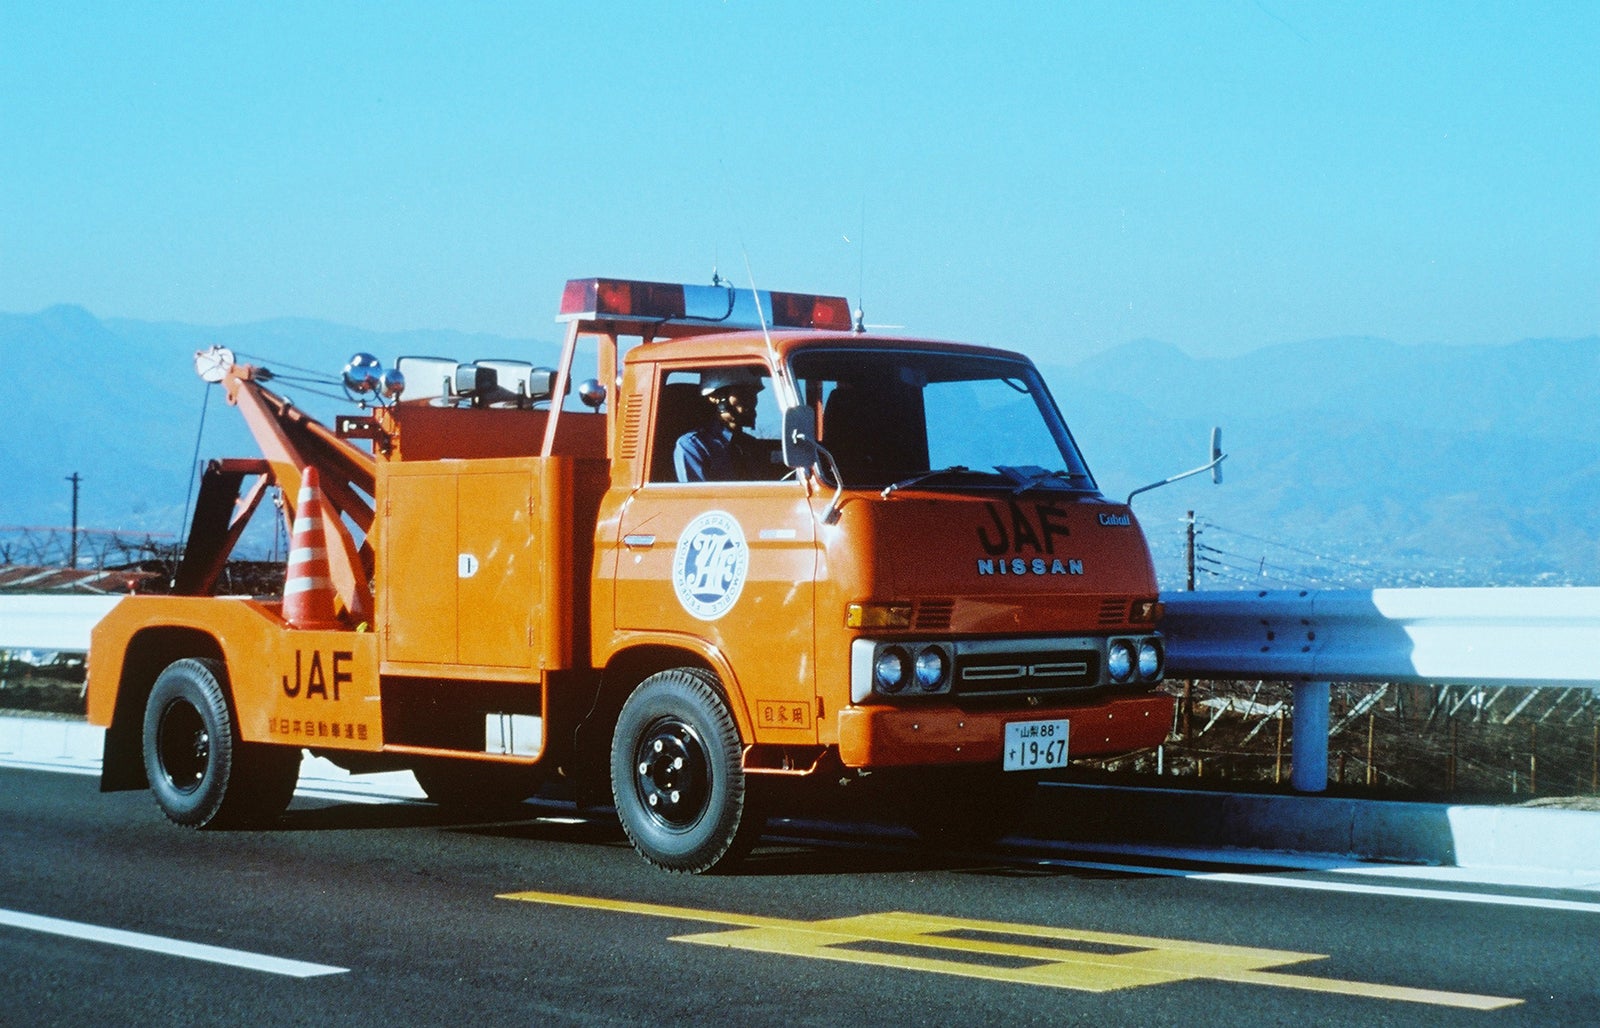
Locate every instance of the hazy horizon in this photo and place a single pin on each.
(1222, 176)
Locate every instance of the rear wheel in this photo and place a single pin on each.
(201, 773)
(677, 774)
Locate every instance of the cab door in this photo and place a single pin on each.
(733, 564)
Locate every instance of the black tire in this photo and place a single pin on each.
(202, 774)
(959, 807)
(476, 787)
(677, 774)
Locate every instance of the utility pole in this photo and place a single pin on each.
(1190, 549)
(74, 479)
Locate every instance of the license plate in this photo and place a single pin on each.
(1034, 745)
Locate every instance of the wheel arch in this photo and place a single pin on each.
(624, 670)
(149, 652)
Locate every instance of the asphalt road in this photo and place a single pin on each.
(366, 914)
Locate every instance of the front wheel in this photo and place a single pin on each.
(202, 774)
(677, 774)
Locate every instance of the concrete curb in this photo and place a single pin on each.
(1379, 830)
(72, 745)
(51, 740)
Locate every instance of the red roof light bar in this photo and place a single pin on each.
(801, 310)
(715, 307)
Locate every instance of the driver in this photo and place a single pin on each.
(722, 451)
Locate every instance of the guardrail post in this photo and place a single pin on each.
(1309, 748)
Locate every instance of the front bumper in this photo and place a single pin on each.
(885, 736)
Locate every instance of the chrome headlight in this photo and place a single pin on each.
(931, 669)
(1149, 659)
(1120, 660)
(890, 669)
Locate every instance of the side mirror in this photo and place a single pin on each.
(799, 437)
(1216, 455)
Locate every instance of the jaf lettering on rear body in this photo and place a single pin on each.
(311, 680)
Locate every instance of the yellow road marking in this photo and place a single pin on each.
(1023, 954)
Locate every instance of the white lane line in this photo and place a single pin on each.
(1582, 880)
(1489, 899)
(170, 947)
(1281, 880)
(56, 766)
(350, 796)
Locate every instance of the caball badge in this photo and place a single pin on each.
(709, 569)
(1122, 520)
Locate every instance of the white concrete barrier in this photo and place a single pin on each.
(51, 622)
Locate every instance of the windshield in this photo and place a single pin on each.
(938, 420)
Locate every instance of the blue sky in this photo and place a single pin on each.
(1058, 177)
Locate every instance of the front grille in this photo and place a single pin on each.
(1113, 611)
(989, 674)
(933, 615)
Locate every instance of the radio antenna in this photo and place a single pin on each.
(861, 270)
(790, 397)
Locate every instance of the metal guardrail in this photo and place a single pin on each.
(1426, 636)
(1481, 637)
(1485, 637)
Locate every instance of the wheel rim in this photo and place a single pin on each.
(183, 745)
(672, 773)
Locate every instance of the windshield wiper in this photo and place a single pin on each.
(1032, 477)
(906, 483)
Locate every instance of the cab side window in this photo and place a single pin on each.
(716, 424)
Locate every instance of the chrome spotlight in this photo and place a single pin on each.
(361, 375)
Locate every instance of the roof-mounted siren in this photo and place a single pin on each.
(444, 382)
(702, 308)
(428, 378)
(1215, 467)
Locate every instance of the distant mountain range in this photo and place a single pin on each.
(1352, 462)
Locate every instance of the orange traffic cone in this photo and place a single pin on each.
(308, 582)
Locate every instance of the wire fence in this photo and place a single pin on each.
(1396, 740)
(1230, 557)
(1325, 556)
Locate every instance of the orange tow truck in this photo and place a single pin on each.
(755, 545)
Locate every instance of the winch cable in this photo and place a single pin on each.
(194, 465)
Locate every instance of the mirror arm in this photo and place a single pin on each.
(830, 513)
(1178, 478)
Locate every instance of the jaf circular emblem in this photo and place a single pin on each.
(709, 568)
